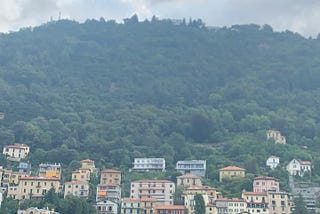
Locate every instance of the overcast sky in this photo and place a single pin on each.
(302, 16)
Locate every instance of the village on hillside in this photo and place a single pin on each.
(153, 195)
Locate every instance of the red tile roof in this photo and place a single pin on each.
(188, 176)
(265, 178)
(305, 162)
(169, 207)
(232, 168)
(110, 171)
(87, 161)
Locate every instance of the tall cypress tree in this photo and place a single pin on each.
(200, 207)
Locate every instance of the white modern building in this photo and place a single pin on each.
(195, 167)
(273, 162)
(149, 164)
(298, 167)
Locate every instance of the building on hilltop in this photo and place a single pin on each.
(110, 177)
(162, 190)
(189, 180)
(273, 162)
(298, 167)
(149, 165)
(276, 136)
(88, 164)
(16, 151)
(231, 172)
(195, 167)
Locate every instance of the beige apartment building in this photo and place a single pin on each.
(81, 174)
(188, 180)
(76, 188)
(162, 190)
(231, 172)
(16, 151)
(9, 177)
(34, 187)
(110, 177)
(88, 164)
(138, 206)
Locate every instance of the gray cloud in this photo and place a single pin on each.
(296, 15)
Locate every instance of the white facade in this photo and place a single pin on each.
(195, 167)
(273, 162)
(297, 167)
(107, 207)
(162, 190)
(149, 164)
(16, 152)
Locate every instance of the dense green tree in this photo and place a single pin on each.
(199, 207)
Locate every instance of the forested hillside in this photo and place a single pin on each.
(158, 88)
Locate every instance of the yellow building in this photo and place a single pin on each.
(34, 187)
(88, 164)
(82, 174)
(209, 195)
(16, 152)
(188, 180)
(279, 202)
(110, 177)
(50, 170)
(230, 172)
(10, 178)
(76, 188)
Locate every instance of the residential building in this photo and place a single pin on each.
(110, 177)
(162, 190)
(149, 164)
(82, 174)
(209, 194)
(76, 188)
(35, 187)
(88, 164)
(130, 205)
(106, 207)
(279, 202)
(230, 205)
(16, 151)
(231, 172)
(13, 192)
(34, 210)
(273, 162)
(138, 206)
(24, 167)
(195, 167)
(257, 202)
(47, 170)
(298, 167)
(188, 180)
(265, 183)
(310, 195)
(10, 177)
(276, 136)
(169, 209)
(108, 192)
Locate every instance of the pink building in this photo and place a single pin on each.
(265, 183)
